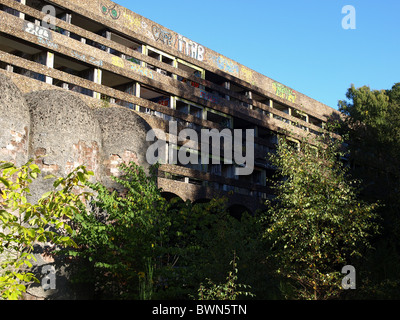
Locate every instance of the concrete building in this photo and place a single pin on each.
(112, 57)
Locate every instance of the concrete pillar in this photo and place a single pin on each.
(22, 15)
(271, 105)
(50, 64)
(227, 85)
(137, 93)
(97, 79)
(249, 95)
(68, 19)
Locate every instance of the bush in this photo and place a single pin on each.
(22, 224)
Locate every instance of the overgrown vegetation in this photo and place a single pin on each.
(226, 291)
(138, 245)
(372, 128)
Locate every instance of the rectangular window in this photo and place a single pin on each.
(219, 118)
(155, 96)
(188, 108)
(161, 57)
(193, 70)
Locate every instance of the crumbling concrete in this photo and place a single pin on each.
(14, 123)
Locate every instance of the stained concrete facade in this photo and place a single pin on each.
(128, 73)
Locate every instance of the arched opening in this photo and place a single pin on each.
(169, 196)
(174, 200)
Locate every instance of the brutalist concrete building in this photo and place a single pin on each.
(95, 77)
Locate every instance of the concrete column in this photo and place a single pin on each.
(308, 121)
(137, 94)
(22, 15)
(50, 64)
(227, 85)
(271, 105)
(97, 79)
(175, 65)
(249, 95)
(108, 37)
(68, 19)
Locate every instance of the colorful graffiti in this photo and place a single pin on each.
(209, 96)
(284, 92)
(110, 10)
(247, 75)
(225, 64)
(163, 36)
(132, 22)
(143, 71)
(119, 62)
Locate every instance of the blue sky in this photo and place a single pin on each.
(300, 43)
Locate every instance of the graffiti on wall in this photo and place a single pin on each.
(247, 75)
(209, 96)
(225, 64)
(190, 48)
(119, 62)
(37, 30)
(85, 58)
(179, 42)
(110, 10)
(284, 92)
(44, 35)
(163, 36)
(143, 71)
(132, 22)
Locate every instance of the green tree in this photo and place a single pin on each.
(23, 224)
(372, 127)
(119, 237)
(371, 123)
(316, 225)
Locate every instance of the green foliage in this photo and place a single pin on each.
(372, 125)
(22, 224)
(146, 282)
(137, 245)
(316, 224)
(226, 291)
(121, 232)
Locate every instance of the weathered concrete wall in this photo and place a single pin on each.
(14, 123)
(64, 134)
(123, 140)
